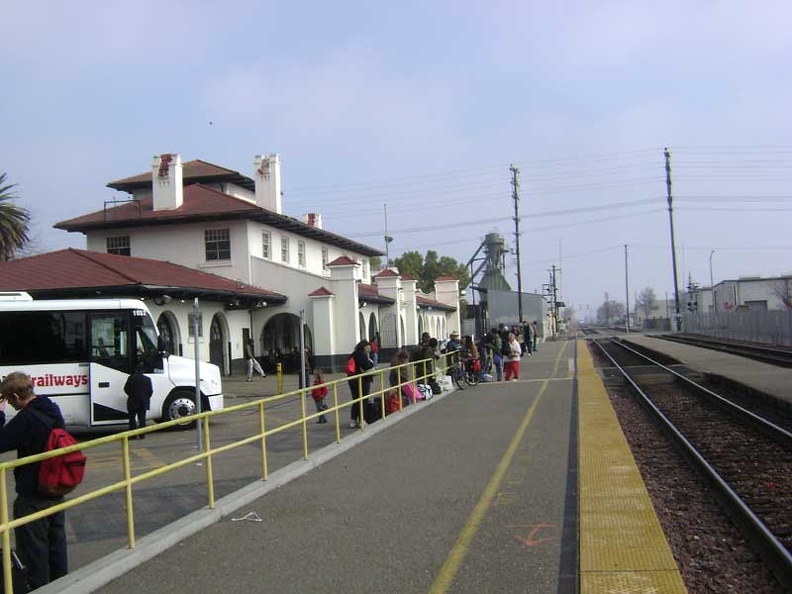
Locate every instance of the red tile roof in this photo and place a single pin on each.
(192, 172)
(202, 203)
(370, 294)
(425, 302)
(385, 273)
(343, 261)
(446, 278)
(367, 289)
(198, 201)
(321, 292)
(80, 271)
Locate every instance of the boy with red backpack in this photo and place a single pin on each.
(42, 543)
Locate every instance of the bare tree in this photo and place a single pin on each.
(646, 301)
(611, 312)
(783, 291)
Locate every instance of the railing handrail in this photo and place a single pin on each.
(6, 524)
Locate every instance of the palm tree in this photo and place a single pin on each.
(14, 221)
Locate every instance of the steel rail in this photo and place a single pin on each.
(777, 557)
(772, 430)
(765, 354)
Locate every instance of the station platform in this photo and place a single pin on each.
(524, 486)
(770, 380)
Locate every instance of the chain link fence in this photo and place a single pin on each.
(766, 327)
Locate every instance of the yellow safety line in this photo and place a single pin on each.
(458, 553)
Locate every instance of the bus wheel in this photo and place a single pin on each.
(178, 405)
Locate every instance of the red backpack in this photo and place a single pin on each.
(351, 366)
(59, 475)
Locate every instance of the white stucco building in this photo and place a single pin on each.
(216, 220)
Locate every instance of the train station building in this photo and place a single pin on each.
(196, 229)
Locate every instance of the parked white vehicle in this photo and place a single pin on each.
(80, 352)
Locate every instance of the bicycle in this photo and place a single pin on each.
(463, 374)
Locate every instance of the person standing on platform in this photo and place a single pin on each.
(535, 328)
(360, 387)
(138, 389)
(375, 349)
(252, 362)
(42, 543)
(423, 352)
(497, 353)
(512, 364)
(527, 337)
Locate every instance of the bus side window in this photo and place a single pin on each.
(109, 340)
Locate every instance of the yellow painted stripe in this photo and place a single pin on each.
(458, 553)
(622, 544)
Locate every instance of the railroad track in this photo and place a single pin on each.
(744, 457)
(766, 354)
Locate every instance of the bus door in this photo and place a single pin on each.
(110, 365)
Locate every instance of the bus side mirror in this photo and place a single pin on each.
(161, 347)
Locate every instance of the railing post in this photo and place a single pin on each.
(337, 413)
(399, 385)
(8, 585)
(303, 394)
(262, 431)
(130, 513)
(209, 471)
(359, 403)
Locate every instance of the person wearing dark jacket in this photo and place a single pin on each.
(138, 389)
(41, 544)
(363, 363)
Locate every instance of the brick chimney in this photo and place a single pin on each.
(166, 178)
(268, 182)
(314, 219)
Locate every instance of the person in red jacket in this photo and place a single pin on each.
(318, 393)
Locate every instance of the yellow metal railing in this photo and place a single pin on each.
(406, 373)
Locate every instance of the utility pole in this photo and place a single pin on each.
(388, 238)
(516, 197)
(555, 301)
(673, 242)
(627, 287)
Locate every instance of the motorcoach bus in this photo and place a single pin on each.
(80, 352)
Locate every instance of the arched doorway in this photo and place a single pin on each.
(362, 324)
(373, 329)
(280, 341)
(217, 341)
(169, 333)
(388, 331)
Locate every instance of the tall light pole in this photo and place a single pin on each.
(712, 285)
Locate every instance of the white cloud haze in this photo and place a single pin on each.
(423, 106)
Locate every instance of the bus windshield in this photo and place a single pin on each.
(145, 337)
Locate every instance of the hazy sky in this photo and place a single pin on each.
(422, 106)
